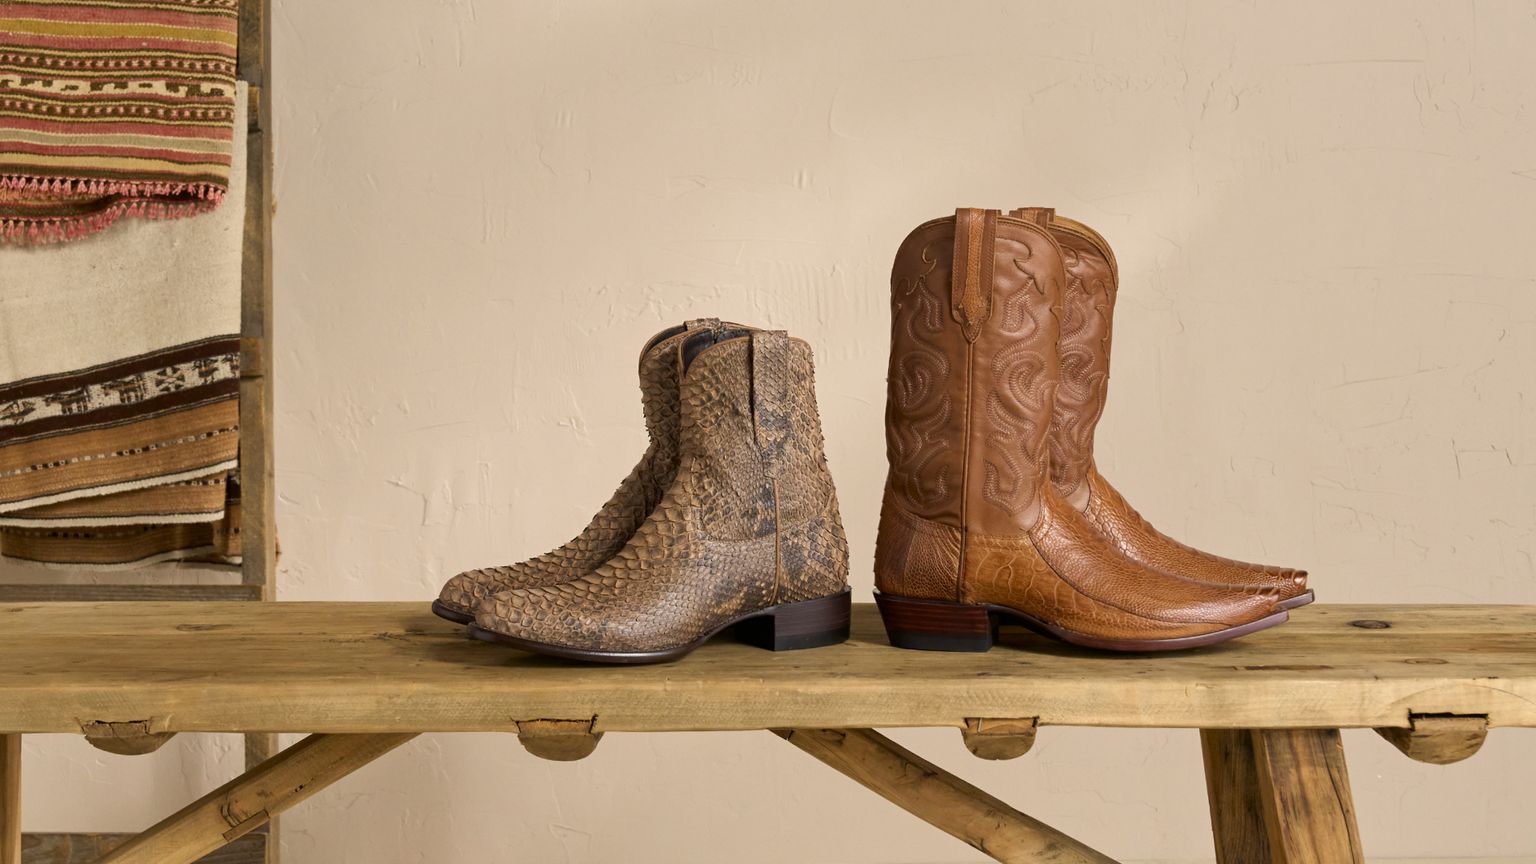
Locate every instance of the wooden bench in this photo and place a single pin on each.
(364, 678)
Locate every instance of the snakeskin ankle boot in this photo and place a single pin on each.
(747, 534)
(972, 532)
(637, 495)
(1088, 308)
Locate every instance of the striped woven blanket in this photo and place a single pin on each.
(119, 383)
(112, 108)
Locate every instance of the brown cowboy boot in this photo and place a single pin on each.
(616, 520)
(748, 533)
(1088, 307)
(972, 532)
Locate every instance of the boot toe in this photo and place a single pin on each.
(465, 591)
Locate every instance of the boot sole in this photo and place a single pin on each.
(785, 627)
(1298, 601)
(936, 625)
(451, 614)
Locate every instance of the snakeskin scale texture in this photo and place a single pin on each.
(1000, 533)
(636, 496)
(1088, 303)
(749, 521)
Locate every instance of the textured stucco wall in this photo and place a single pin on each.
(1325, 350)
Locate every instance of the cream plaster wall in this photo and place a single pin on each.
(1325, 351)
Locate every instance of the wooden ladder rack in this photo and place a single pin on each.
(257, 529)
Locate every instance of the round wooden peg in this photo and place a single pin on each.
(988, 738)
(558, 740)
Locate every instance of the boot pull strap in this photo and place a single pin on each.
(770, 395)
(702, 324)
(1041, 216)
(970, 285)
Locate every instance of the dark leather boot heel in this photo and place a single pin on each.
(934, 625)
(807, 624)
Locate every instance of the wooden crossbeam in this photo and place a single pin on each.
(251, 800)
(941, 799)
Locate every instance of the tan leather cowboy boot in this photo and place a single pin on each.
(972, 532)
(616, 520)
(1088, 306)
(748, 533)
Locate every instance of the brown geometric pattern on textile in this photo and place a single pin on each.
(139, 387)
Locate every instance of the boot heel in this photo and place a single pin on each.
(807, 624)
(934, 625)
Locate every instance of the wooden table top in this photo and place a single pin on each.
(378, 667)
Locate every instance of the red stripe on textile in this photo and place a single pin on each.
(147, 44)
(109, 15)
(118, 127)
(178, 156)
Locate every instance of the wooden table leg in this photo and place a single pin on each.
(250, 801)
(1280, 796)
(10, 799)
(1232, 783)
(941, 799)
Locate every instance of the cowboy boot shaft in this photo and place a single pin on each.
(756, 464)
(969, 392)
(1087, 318)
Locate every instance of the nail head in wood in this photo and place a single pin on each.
(1439, 739)
(991, 738)
(559, 740)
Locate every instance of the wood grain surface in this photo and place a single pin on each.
(380, 667)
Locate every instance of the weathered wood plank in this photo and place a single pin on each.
(254, 41)
(1232, 784)
(88, 849)
(10, 799)
(379, 667)
(258, 531)
(941, 799)
(1308, 809)
(249, 801)
(81, 593)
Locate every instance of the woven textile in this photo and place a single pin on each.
(119, 385)
(112, 108)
